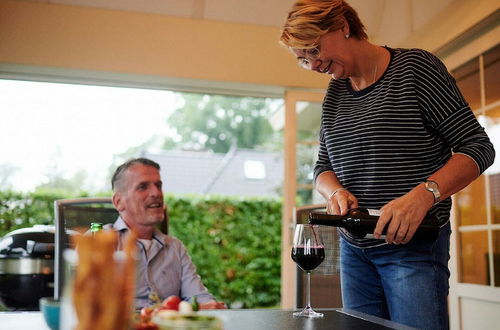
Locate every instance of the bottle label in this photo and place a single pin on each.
(374, 212)
(370, 236)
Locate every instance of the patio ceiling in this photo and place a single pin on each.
(386, 20)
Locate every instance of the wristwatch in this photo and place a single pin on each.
(433, 187)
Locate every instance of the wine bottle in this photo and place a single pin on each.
(361, 223)
(95, 227)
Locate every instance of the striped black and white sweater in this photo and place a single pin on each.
(386, 139)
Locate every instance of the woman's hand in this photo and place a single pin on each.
(340, 201)
(403, 216)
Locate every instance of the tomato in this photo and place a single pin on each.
(171, 302)
(146, 326)
(146, 313)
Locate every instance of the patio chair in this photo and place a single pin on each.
(75, 216)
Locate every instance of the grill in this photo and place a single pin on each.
(27, 267)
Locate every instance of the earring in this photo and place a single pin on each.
(347, 35)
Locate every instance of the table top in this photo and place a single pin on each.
(278, 319)
(243, 319)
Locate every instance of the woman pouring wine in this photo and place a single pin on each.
(397, 136)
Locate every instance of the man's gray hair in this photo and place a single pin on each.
(117, 176)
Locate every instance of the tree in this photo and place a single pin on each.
(215, 122)
(7, 171)
(56, 178)
(58, 181)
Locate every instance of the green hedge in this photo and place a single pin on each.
(19, 210)
(234, 243)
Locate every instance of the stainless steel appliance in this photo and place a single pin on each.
(27, 267)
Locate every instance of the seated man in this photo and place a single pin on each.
(164, 267)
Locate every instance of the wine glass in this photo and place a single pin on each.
(308, 253)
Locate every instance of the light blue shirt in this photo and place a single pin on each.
(165, 269)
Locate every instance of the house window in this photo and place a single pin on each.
(254, 170)
(478, 205)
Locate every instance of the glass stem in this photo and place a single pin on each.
(308, 290)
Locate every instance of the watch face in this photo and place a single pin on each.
(434, 189)
(431, 185)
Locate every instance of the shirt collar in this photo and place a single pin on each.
(121, 226)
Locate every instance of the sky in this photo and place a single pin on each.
(75, 126)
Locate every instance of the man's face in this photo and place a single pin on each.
(139, 197)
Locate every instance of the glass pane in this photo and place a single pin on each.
(304, 197)
(495, 197)
(67, 136)
(493, 115)
(308, 120)
(230, 141)
(467, 77)
(492, 74)
(307, 154)
(491, 122)
(471, 204)
(306, 158)
(308, 123)
(474, 257)
(496, 256)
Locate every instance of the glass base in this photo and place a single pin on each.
(308, 312)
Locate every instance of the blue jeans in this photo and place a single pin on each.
(405, 283)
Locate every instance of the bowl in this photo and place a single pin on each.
(50, 310)
(191, 321)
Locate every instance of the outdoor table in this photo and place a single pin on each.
(279, 319)
(245, 319)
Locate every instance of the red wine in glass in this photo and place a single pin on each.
(308, 252)
(308, 258)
